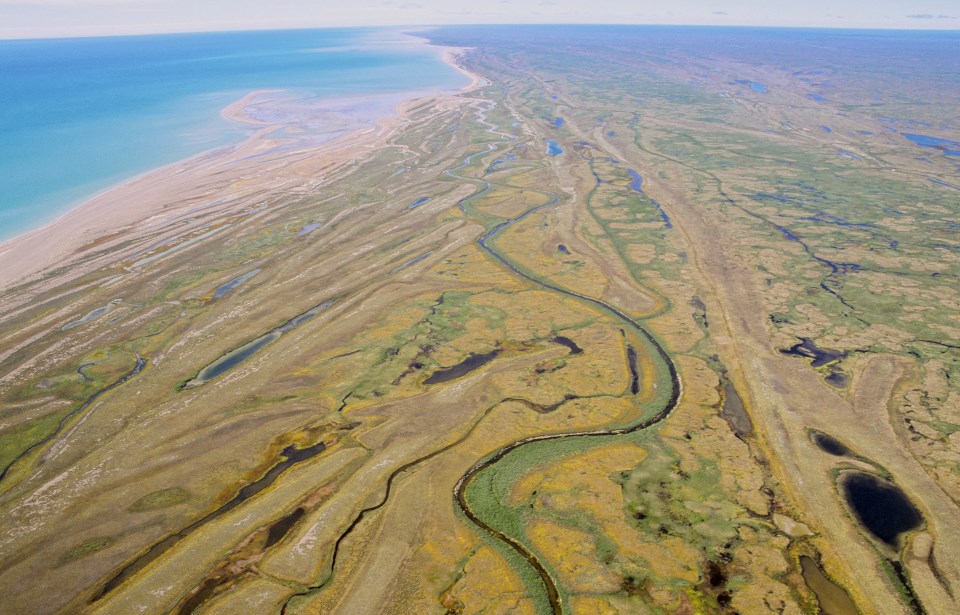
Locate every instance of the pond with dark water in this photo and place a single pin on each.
(569, 343)
(809, 350)
(829, 444)
(883, 509)
(234, 283)
(471, 363)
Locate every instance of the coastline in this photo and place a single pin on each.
(94, 229)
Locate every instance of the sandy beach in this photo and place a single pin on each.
(107, 229)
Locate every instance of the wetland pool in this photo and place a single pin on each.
(735, 412)
(830, 445)
(833, 599)
(237, 356)
(418, 203)
(883, 509)
(471, 363)
(809, 350)
(234, 283)
(948, 147)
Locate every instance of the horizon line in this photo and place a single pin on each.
(405, 27)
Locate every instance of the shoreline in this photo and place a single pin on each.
(105, 219)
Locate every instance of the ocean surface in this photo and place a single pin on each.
(80, 115)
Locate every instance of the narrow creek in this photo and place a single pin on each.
(549, 585)
(460, 490)
(290, 457)
(137, 368)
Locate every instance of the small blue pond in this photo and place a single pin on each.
(418, 202)
(753, 85)
(948, 147)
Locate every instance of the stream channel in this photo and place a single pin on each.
(549, 587)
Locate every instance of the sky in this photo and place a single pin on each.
(45, 18)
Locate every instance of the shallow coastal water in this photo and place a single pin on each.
(79, 115)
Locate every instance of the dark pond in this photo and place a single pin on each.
(808, 349)
(282, 527)
(558, 122)
(734, 411)
(883, 509)
(474, 361)
(634, 371)
(232, 284)
(829, 444)
(569, 343)
(837, 379)
(563, 248)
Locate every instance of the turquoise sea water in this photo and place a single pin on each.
(79, 115)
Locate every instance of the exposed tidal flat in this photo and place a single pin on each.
(697, 363)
